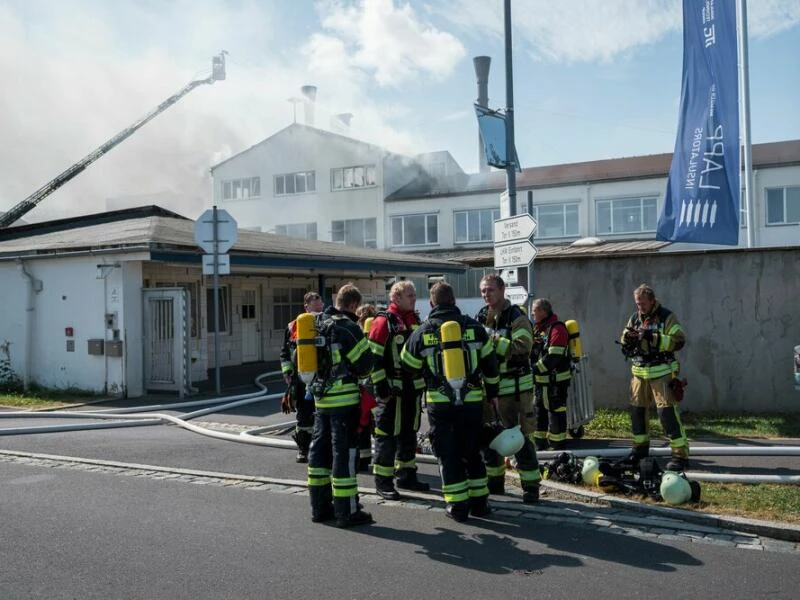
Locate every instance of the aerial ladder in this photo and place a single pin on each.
(16, 212)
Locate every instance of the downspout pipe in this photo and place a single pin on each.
(34, 287)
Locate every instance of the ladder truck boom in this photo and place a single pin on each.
(16, 212)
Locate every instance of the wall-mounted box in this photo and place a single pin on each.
(70, 345)
(114, 348)
(96, 347)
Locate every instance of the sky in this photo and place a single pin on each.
(592, 79)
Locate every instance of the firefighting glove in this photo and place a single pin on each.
(287, 403)
(630, 337)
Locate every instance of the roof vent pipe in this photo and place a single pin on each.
(482, 64)
(310, 94)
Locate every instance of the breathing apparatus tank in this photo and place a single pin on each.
(453, 358)
(575, 346)
(590, 472)
(306, 347)
(675, 489)
(508, 442)
(368, 324)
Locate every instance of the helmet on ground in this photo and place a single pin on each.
(675, 489)
(590, 470)
(508, 442)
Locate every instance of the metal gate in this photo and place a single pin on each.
(166, 340)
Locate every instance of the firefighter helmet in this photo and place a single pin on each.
(675, 489)
(590, 470)
(508, 442)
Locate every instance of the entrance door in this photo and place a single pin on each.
(166, 340)
(251, 325)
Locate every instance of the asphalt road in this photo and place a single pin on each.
(88, 531)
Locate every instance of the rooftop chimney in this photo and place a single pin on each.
(341, 122)
(482, 64)
(310, 94)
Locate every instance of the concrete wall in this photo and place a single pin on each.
(740, 310)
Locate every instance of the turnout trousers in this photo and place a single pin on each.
(332, 462)
(513, 411)
(396, 426)
(455, 437)
(551, 414)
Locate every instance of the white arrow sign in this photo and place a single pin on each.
(227, 232)
(518, 227)
(518, 254)
(517, 294)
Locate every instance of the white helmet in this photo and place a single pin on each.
(675, 489)
(508, 442)
(590, 470)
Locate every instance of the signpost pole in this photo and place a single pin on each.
(216, 304)
(511, 154)
(530, 265)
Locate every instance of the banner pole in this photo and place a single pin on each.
(744, 117)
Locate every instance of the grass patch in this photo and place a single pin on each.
(38, 398)
(773, 502)
(616, 423)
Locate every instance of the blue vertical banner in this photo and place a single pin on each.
(703, 189)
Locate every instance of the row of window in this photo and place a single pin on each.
(301, 182)
(617, 216)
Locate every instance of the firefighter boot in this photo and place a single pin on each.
(458, 511)
(679, 461)
(345, 517)
(638, 452)
(530, 494)
(407, 480)
(385, 488)
(479, 506)
(303, 440)
(497, 485)
(321, 503)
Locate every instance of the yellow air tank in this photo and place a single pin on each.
(306, 332)
(368, 324)
(453, 357)
(575, 347)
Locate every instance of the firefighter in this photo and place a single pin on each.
(511, 335)
(366, 315)
(398, 395)
(457, 360)
(650, 339)
(296, 398)
(333, 456)
(552, 372)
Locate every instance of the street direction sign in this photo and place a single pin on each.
(518, 254)
(227, 232)
(518, 227)
(517, 294)
(223, 264)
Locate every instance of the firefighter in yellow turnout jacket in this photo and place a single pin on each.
(650, 339)
(456, 373)
(511, 336)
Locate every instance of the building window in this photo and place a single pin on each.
(556, 220)
(415, 230)
(783, 205)
(475, 225)
(287, 303)
(304, 231)
(224, 309)
(295, 183)
(355, 232)
(353, 177)
(627, 215)
(241, 189)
